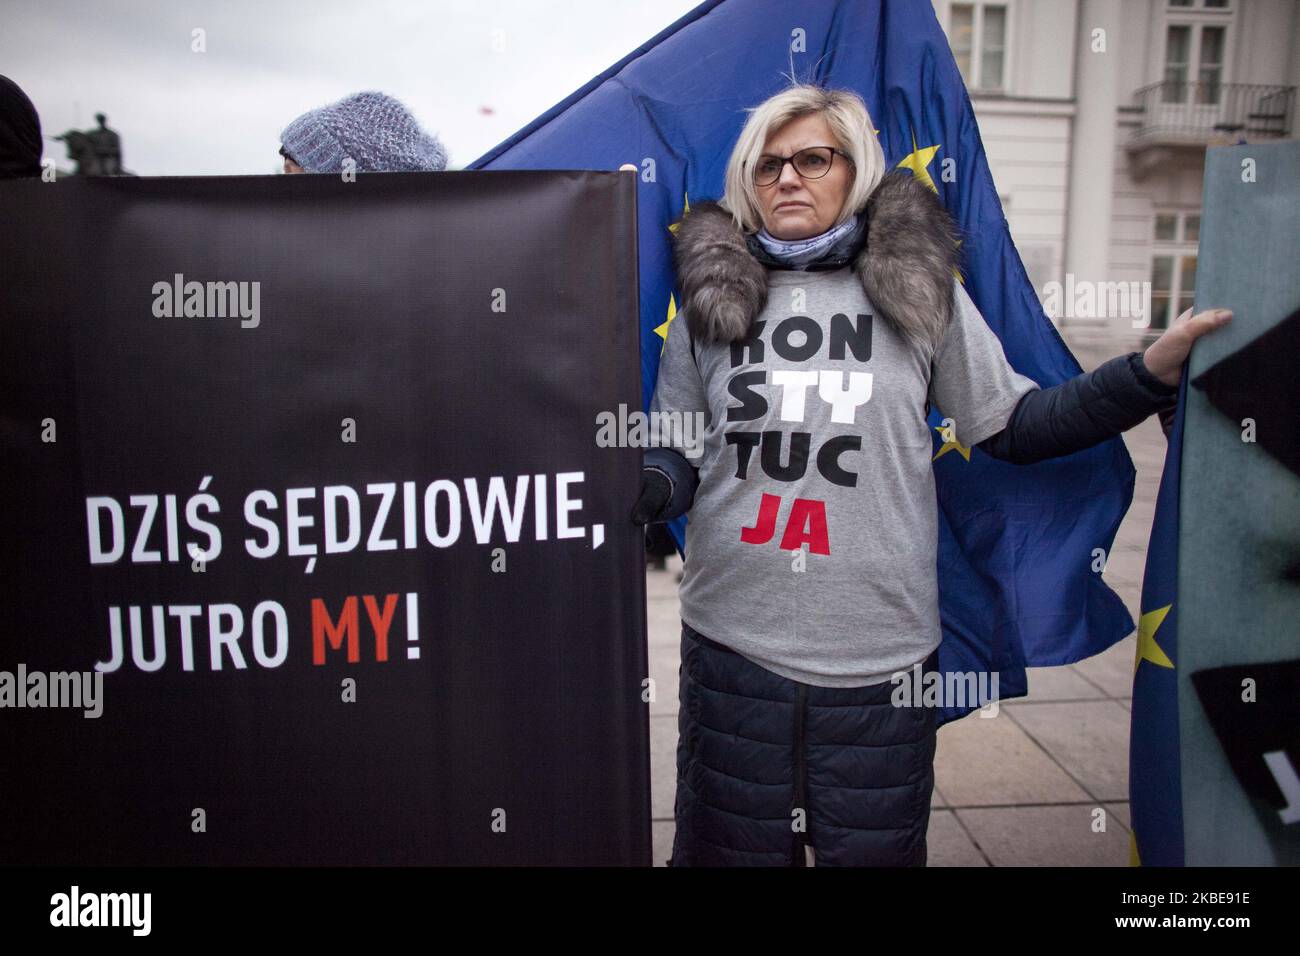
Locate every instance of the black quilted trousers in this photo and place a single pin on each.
(766, 765)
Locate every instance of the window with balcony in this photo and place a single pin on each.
(1194, 102)
(1173, 265)
(977, 33)
(1193, 63)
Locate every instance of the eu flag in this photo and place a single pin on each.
(1020, 547)
(1155, 775)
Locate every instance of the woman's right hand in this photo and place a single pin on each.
(1165, 356)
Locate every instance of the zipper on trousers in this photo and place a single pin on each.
(800, 778)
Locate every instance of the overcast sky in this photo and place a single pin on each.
(472, 71)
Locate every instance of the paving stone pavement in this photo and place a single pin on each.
(1023, 788)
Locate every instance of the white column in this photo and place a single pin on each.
(1092, 147)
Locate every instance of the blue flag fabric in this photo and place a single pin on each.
(1020, 547)
(1155, 769)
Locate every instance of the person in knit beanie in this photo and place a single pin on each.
(20, 133)
(372, 129)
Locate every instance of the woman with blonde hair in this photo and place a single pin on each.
(821, 318)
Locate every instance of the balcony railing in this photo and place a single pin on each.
(1197, 112)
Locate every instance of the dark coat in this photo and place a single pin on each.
(767, 765)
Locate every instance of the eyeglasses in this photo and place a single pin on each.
(811, 163)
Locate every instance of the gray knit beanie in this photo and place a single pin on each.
(372, 129)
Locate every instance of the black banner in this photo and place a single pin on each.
(303, 474)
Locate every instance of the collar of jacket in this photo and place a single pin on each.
(905, 259)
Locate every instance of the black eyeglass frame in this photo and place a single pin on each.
(791, 158)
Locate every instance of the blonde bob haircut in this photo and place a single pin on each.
(847, 116)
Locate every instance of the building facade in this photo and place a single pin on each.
(1096, 115)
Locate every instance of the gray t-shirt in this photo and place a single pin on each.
(816, 441)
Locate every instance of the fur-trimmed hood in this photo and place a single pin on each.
(905, 265)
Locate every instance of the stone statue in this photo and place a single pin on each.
(97, 152)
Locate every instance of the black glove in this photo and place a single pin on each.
(656, 489)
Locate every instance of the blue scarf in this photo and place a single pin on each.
(798, 253)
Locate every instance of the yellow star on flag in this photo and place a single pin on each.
(917, 161)
(662, 330)
(1147, 648)
(950, 444)
(672, 227)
